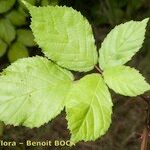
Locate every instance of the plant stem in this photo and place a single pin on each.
(146, 131)
(145, 135)
(98, 69)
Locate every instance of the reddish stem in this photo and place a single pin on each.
(98, 69)
(146, 131)
(145, 136)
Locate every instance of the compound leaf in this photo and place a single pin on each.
(122, 43)
(126, 81)
(32, 91)
(89, 108)
(64, 36)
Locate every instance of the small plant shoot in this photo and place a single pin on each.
(35, 90)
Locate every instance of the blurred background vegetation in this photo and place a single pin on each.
(17, 41)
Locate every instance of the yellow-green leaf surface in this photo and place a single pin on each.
(125, 81)
(25, 37)
(65, 36)
(3, 47)
(32, 91)
(122, 43)
(7, 31)
(17, 50)
(89, 108)
(5, 5)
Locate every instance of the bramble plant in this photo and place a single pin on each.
(35, 90)
(15, 38)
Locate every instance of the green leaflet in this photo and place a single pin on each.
(7, 31)
(122, 43)
(5, 5)
(17, 18)
(16, 51)
(3, 47)
(65, 36)
(25, 37)
(126, 81)
(32, 91)
(49, 2)
(89, 108)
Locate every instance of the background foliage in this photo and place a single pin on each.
(16, 41)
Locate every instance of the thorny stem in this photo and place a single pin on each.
(98, 69)
(146, 131)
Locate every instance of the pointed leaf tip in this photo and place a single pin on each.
(88, 109)
(122, 43)
(58, 36)
(126, 81)
(146, 20)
